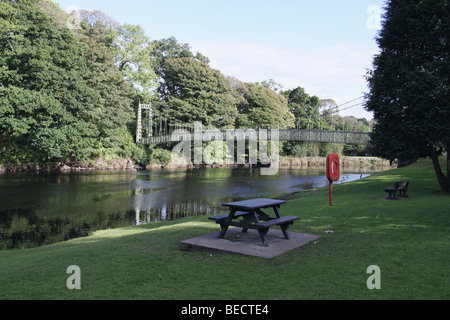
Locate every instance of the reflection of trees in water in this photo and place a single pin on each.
(174, 211)
(25, 228)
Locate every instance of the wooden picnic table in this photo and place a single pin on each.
(253, 217)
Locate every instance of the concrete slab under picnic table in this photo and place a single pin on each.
(249, 243)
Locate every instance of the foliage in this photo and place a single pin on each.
(199, 93)
(160, 156)
(312, 149)
(409, 84)
(72, 95)
(167, 49)
(264, 108)
(62, 97)
(132, 50)
(40, 108)
(304, 107)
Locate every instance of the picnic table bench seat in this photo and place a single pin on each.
(222, 217)
(283, 222)
(399, 187)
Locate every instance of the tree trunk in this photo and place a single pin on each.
(444, 181)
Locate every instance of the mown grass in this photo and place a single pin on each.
(408, 240)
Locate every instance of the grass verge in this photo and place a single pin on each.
(408, 240)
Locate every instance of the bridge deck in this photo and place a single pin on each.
(345, 137)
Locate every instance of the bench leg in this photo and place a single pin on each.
(262, 234)
(392, 195)
(284, 228)
(223, 230)
(395, 196)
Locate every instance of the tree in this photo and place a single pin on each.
(304, 107)
(330, 111)
(271, 84)
(113, 111)
(197, 92)
(46, 103)
(132, 50)
(264, 108)
(409, 84)
(62, 97)
(165, 50)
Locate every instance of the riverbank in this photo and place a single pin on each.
(92, 165)
(128, 165)
(407, 239)
(345, 162)
(373, 163)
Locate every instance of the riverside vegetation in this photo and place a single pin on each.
(407, 239)
(70, 86)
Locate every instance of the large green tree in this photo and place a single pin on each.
(113, 112)
(304, 107)
(61, 96)
(165, 50)
(263, 107)
(409, 84)
(34, 79)
(131, 47)
(132, 50)
(199, 93)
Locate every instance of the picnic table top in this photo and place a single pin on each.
(254, 203)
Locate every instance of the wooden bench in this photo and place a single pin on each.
(399, 187)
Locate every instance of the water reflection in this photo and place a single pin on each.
(38, 209)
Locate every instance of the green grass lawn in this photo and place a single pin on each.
(408, 239)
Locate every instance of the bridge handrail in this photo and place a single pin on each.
(345, 137)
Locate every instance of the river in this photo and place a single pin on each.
(38, 209)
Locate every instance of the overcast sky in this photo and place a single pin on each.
(324, 46)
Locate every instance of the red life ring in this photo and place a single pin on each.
(333, 168)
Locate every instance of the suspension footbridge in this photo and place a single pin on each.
(162, 129)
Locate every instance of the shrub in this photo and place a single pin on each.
(160, 156)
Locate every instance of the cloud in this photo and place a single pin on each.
(334, 72)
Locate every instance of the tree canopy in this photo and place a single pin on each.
(197, 92)
(70, 84)
(409, 83)
(264, 108)
(62, 97)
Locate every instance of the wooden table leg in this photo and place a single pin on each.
(276, 209)
(226, 223)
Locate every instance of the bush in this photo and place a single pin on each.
(300, 150)
(327, 148)
(160, 156)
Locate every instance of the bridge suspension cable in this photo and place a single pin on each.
(161, 126)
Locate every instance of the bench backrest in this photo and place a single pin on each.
(401, 184)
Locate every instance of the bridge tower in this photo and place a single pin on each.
(139, 121)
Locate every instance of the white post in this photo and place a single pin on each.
(139, 125)
(150, 119)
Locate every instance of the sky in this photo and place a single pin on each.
(323, 46)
